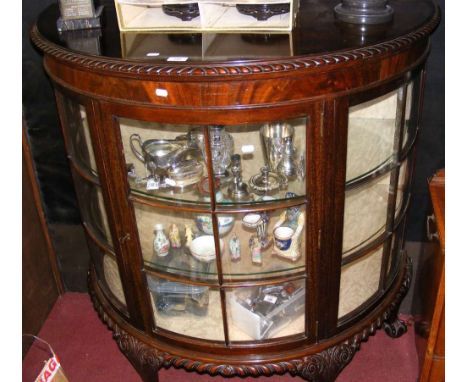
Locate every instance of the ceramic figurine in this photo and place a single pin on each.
(255, 250)
(234, 248)
(174, 236)
(287, 232)
(161, 243)
(188, 235)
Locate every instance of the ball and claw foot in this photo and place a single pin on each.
(395, 328)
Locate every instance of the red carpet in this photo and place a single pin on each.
(88, 353)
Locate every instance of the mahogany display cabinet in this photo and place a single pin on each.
(244, 195)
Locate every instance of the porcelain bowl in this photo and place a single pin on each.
(251, 220)
(205, 224)
(203, 248)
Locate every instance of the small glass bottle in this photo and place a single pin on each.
(161, 243)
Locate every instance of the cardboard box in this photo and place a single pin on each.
(214, 15)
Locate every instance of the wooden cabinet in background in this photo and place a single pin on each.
(432, 326)
(41, 284)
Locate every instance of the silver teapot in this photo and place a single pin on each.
(163, 155)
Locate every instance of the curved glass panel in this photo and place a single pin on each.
(268, 311)
(395, 254)
(112, 277)
(365, 213)
(263, 244)
(249, 162)
(92, 208)
(78, 135)
(371, 133)
(359, 281)
(107, 273)
(403, 180)
(411, 111)
(187, 309)
(408, 128)
(366, 209)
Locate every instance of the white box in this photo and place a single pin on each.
(215, 15)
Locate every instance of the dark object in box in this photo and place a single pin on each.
(173, 298)
(185, 12)
(263, 12)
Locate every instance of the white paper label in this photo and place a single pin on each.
(247, 149)
(73, 9)
(170, 182)
(161, 92)
(271, 299)
(151, 184)
(177, 58)
(49, 370)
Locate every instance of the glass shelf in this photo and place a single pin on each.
(193, 253)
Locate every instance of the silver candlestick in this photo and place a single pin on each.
(238, 189)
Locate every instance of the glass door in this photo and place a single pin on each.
(221, 213)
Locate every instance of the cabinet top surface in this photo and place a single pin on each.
(318, 39)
